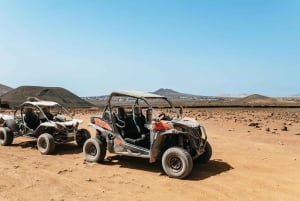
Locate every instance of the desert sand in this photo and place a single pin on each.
(256, 156)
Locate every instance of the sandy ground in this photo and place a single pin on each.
(259, 162)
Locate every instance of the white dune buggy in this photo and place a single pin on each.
(123, 129)
(30, 120)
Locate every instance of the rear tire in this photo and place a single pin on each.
(205, 157)
(81, 136)
(94, 150)
(46, 144)
(6, 136)
(177, 162)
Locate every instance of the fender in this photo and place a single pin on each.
(158, 139)
(97, 127)
(104, 132)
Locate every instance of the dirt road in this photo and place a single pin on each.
(256, 156)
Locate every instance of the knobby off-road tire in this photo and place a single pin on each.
(94, 150)
(6, 136)
(205, 157)
(81, 136)
(177, 162)
(46, 144)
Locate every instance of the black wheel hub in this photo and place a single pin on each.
(43, 144)
(175, 163)
(93, 150)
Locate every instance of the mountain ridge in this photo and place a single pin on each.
(4, 89)
(58, 94)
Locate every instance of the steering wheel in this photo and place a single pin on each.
(161, 116)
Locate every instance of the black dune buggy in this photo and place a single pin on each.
(131, 125)
(34, 120)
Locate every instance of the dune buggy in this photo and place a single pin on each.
(162, 134)
(33, 120)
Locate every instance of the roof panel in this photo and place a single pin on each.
(42, 103)
(137, 94)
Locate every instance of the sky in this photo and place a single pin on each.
(202, 47)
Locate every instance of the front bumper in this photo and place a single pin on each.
(201, 141)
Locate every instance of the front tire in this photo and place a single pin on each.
(205, 157)
(94, 150)
(46, 144)
(6, 136)
(177, 162)
(81, 136)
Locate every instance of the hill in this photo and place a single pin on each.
(257, 98)
(175, 94)
(172, 94)
(64, 97)
(260, 100)
(4, 89)
(168, 92)
(295, 95)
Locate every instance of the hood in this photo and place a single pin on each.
(186, 121)
(6, 117)
(73, 122)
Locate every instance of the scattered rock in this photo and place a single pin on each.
(64, 171)
(253, 124)
(284, 128)
(268, 129)
(61, 171)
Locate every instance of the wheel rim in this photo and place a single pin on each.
(43, 143)
(175, 164)
(92, 150)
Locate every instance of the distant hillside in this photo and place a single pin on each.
(260, 100)
(178, 95)
(173, 93)
(167, 92)
(64, 97)
(296, 95)
(4, 89)
(257, 98)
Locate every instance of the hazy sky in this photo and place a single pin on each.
(204, 47)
